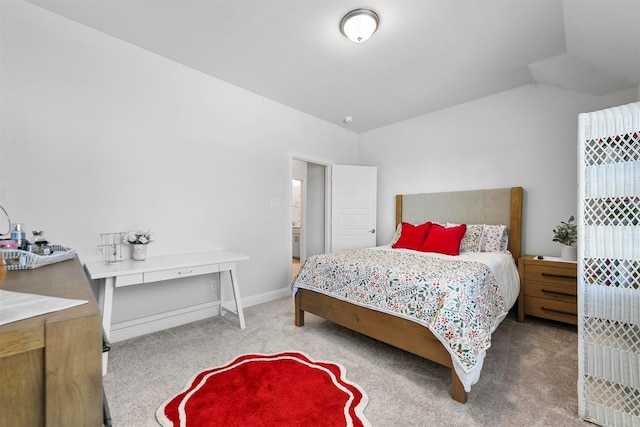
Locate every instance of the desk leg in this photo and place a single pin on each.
(221, 296)
(105, 300)
(236, 294)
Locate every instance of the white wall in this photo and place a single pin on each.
(101, 136)
(524, 137)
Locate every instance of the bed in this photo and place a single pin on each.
(319, 295)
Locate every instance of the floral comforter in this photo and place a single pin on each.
(459, 301)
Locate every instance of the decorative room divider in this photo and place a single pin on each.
(609, 266)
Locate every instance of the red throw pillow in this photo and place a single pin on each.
(444, 240)
(412, 236)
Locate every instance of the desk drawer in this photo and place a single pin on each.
(176, 273)
(129, 279)
(549, 274)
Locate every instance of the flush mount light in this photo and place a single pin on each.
(359, 24)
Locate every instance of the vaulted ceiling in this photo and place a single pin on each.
(426, 55)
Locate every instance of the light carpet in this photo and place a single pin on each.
(529, 376)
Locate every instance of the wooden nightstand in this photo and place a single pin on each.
(548, 289)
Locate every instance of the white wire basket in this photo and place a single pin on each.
(17, 259)
(111, 246)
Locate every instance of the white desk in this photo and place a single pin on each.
(158, 268)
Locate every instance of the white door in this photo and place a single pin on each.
(353, 207)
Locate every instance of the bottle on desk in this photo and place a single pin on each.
(19, 236)
(40, 244)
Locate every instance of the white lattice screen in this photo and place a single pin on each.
(609, 266)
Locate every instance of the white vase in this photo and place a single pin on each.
(569, 253)
(139, 252)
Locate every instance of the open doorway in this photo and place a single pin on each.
(309, 204)
(296, 223)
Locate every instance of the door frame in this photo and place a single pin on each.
(327, 203)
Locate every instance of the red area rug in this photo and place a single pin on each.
(284, 389)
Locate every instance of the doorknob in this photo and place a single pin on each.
(373, 230)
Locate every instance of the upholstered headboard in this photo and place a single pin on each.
(495, 206)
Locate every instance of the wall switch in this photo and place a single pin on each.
(275, 203)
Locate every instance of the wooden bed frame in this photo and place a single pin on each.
(471, 207)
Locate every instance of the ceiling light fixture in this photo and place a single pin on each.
(359, 24)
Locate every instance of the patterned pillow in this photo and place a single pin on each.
(494, 238)
(397, 235)
(472, 240)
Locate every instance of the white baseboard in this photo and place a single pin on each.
(266, 297)
(157, 322)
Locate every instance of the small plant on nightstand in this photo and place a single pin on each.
(567, 234)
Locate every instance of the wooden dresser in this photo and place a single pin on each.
(548, 289)
(50, 365)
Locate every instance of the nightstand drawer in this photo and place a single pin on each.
(551, 309)
(551, 274)
(566, 293)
